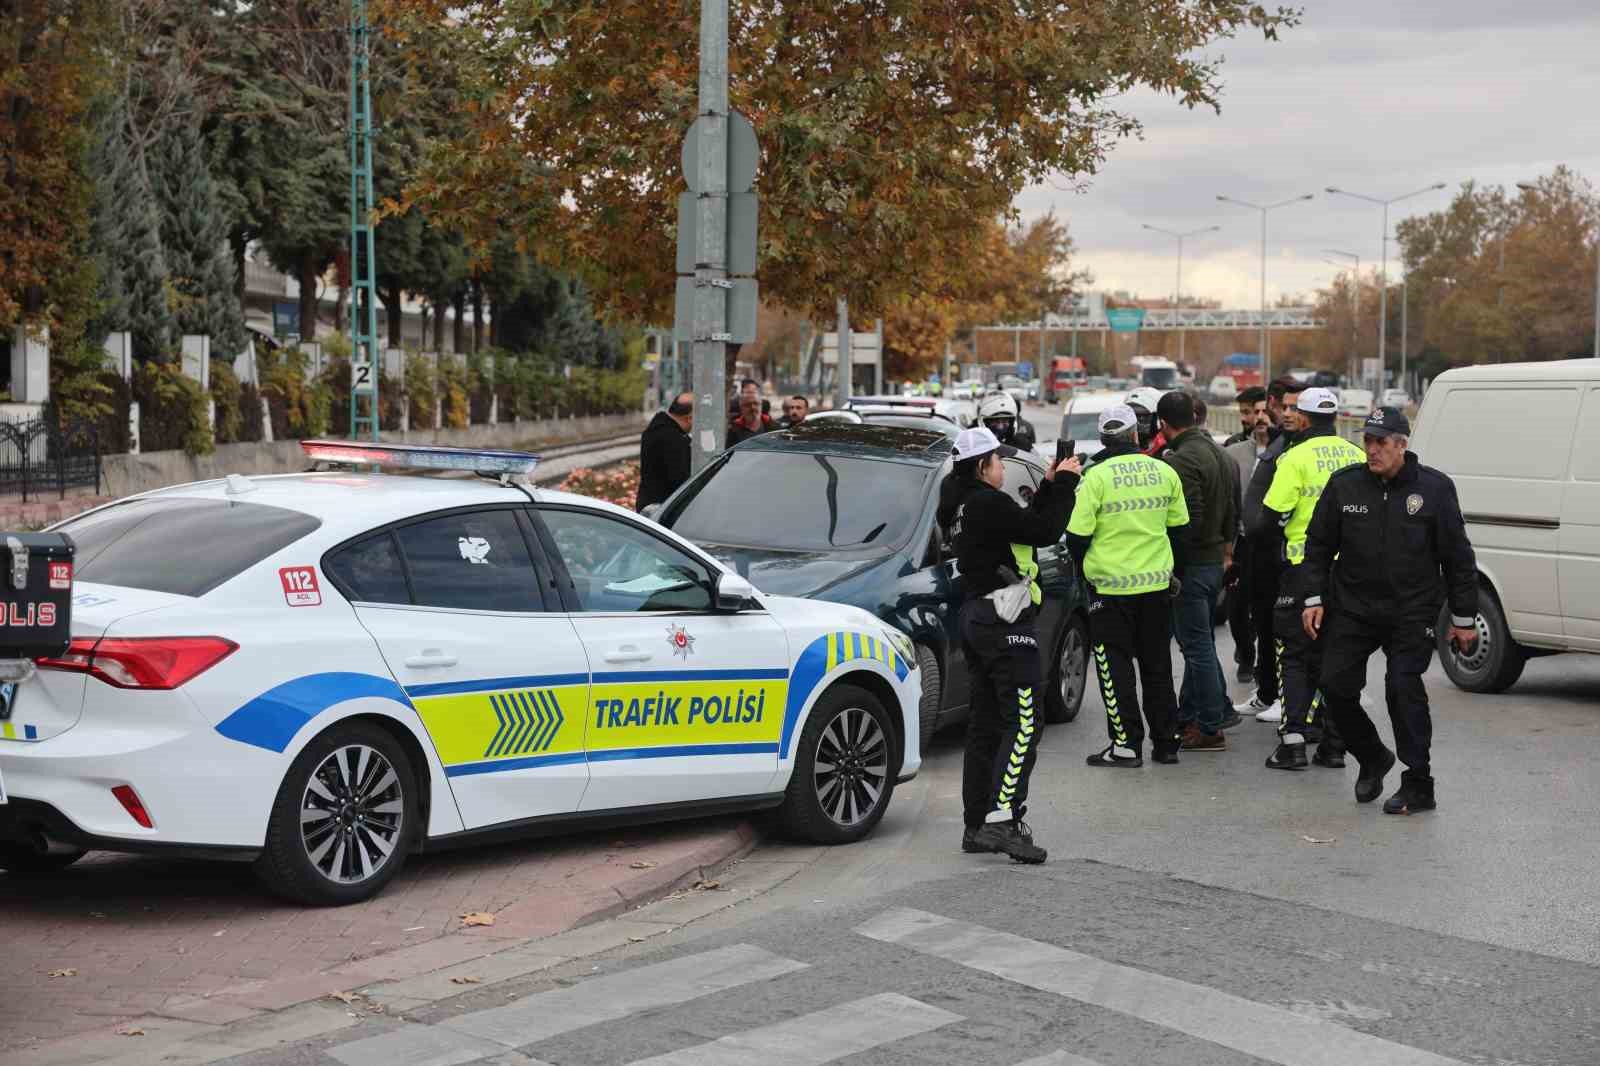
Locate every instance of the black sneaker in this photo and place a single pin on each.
(1165, 753)
(1329, 756)
(1246, 675)
(1409, 799)
(969, 842)
(1229, 720)
(1013, 838)
(1287, 757)
(1109, 757)
(1370, 782)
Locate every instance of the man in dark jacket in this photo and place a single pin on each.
(1387, 546)
(751, 422)
(996, 540)
(664, 452)
(1201, 551)
(1264, 537)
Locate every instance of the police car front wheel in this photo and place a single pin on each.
(344, 818)
(844, 771)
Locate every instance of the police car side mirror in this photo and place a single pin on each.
(651, 510)
(734, 594)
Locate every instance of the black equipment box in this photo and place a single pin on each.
(35, 594)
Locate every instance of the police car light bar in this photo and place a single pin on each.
(421, 457)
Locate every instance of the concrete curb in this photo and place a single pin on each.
(519, 930)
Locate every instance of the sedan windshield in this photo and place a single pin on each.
(1080, 426)
(802, 501)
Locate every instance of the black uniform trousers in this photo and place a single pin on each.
(1125, 630)
(1300, 667)
(1408, 646)
(1244, 642)
(1003, 721)
(1263, 593)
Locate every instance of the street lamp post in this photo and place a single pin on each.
(1355, 305)
(1177, 292)
(1383, 282)
(1266, 356)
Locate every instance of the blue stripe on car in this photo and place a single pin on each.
(272, 719)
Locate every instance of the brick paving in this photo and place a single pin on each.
(204, 942)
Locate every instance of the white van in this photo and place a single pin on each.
(1522, 443)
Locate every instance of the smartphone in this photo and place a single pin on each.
(1064, 448)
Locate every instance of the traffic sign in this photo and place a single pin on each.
(743, 296)
(1125, 319)
(743, 152)
(865, 348)
(741, 249)
(362, 379)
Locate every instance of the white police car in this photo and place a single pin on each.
(323, 672)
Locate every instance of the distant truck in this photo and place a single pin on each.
(1066, 374)
(1157, 373)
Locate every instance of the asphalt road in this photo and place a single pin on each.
(1213, 912)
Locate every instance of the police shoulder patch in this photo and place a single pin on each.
(1414, 503)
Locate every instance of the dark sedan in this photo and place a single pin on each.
(845, 512)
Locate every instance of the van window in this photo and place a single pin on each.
(1505, 432)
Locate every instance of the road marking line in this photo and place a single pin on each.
(606, 999)
(1059, 1058)
(417, 1045)
(817, 1038)
(1258, 1029)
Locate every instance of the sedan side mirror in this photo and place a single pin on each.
(651, 510)
(734, 594)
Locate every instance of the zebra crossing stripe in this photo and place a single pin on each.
(420, 1045)
(1258, 1029)
(606, 999)
(1059, 1058)
(817, 1038)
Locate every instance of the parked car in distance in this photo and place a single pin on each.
(1532, 509)
(856, 524)
(1224, 389)
(1357, 403)
(1098, 383)
(1396, 398)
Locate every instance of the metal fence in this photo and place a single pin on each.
(40, 455)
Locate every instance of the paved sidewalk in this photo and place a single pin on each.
(131, 937)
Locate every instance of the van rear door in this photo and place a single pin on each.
(1580, 532)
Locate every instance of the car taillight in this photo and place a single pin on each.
(142, 662)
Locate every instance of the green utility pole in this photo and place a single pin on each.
(365, 362)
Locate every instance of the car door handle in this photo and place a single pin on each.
(430, 657)
(628, 653)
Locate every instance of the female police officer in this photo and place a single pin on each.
(995, 539)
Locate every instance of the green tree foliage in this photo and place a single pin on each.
(194, 238)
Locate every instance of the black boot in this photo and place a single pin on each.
(1410, 798)
(1013, 838)
(1370, 782)
(1287, 757)
(1329, 754)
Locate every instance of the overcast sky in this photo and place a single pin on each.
(1376, 96)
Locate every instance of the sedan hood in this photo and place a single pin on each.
(792, 573)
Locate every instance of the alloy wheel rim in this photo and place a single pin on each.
(1073, 651)
(352, 814)
(851, 767)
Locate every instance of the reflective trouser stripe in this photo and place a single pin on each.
(1019, 749)
(1108, 693)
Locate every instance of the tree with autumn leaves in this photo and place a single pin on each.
(893, 135)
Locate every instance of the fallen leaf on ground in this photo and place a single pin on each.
(643, 864)
(1317, 840)
(477, 918)
(708, 886)
(345, 997)
(464, 980)
(636, 940)
(130, 1032)
(63, 973)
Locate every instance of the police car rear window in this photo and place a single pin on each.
(182, 546)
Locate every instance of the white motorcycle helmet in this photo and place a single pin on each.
(1145, 397)
(998, 411)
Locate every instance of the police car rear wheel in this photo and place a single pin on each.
(1069, 672)
(344, 818)
(844, 769)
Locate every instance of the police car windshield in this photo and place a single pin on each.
(821, 503)
(183, 546)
